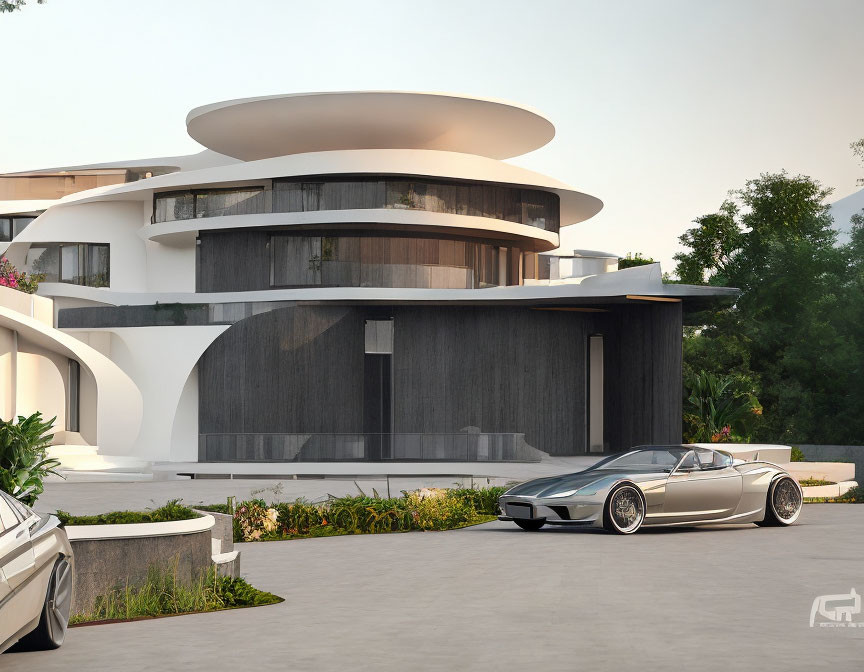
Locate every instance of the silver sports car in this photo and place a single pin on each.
(35, 578)
(658, 485)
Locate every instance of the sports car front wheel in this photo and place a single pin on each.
(783, 505)
(624, 510)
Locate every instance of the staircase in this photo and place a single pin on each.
(84, 464)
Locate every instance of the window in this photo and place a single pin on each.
(76, 263)
(711, 459)
(175, 206)
(531, 207)
(73, 397)
(19, 224)
(388, 261)
(12, 226)
(224, 203)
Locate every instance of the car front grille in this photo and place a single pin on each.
(520, 511)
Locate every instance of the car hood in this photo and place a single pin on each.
(597, 478)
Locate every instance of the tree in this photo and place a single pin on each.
(858, 150)
(789, 334)
(14, 5)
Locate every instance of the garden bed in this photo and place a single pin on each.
(122, 548)
(162, 595)
(427, 509)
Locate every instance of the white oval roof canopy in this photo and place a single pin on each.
(259, 128)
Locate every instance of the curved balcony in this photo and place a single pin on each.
(530, 207)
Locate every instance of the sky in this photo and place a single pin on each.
(661, 106)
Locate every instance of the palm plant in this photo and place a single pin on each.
(716, 411)
(23, 456)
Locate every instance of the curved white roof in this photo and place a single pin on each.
(575, 206)
(269, 126)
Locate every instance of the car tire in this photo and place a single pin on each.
(624, 510)
(51, 631)
(530, 525)
(783, 503)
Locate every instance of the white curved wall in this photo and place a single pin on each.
(118, 402)
(182, 232)
(160, 361)
(115, 223)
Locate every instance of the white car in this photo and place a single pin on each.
(35, 578)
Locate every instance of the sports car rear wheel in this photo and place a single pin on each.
(784, 503)
(530, 525)
(51, 631)
(624, 510)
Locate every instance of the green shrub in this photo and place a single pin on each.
(170, 511)
(798, 455)
(854, 495)
(23, 456)
(162, 594)
(425, 509)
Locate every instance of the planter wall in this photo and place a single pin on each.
(111, 556)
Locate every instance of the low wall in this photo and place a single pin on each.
(111, 556)
(819, 453)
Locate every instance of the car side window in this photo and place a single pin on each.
(711, 459)
(688, 463)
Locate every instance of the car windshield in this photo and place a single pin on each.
(661, 458)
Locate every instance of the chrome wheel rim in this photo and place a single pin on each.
(786, 500)
(625, 509)
(59, 601)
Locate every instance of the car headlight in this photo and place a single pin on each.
(566, 493)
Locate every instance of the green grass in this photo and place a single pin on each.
(173, 510)
(163, 595)
(814, 482)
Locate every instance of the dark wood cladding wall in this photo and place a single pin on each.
(293, 370)
(500, 369)
(642, 374)
(232, 261)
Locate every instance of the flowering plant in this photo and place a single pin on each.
(15, 279)
(255, 519)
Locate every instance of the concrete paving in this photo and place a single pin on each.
(495, 597)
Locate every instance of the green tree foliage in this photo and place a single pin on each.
(796, 332)
(632, 260)
(23, 460)
(14, 5)
(858, 150)
(719, 408)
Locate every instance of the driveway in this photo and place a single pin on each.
(494, 597)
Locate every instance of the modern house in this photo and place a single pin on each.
(351, 276)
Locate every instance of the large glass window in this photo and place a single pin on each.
(169, 207)
(222, 203)
(12, 226)
(76, 263)
(384, 261)
(523, 206)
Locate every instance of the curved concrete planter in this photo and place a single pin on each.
(111, 556)
(833, 490)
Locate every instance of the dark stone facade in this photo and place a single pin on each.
(497, 368)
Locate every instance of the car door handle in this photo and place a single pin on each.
(20, 533)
